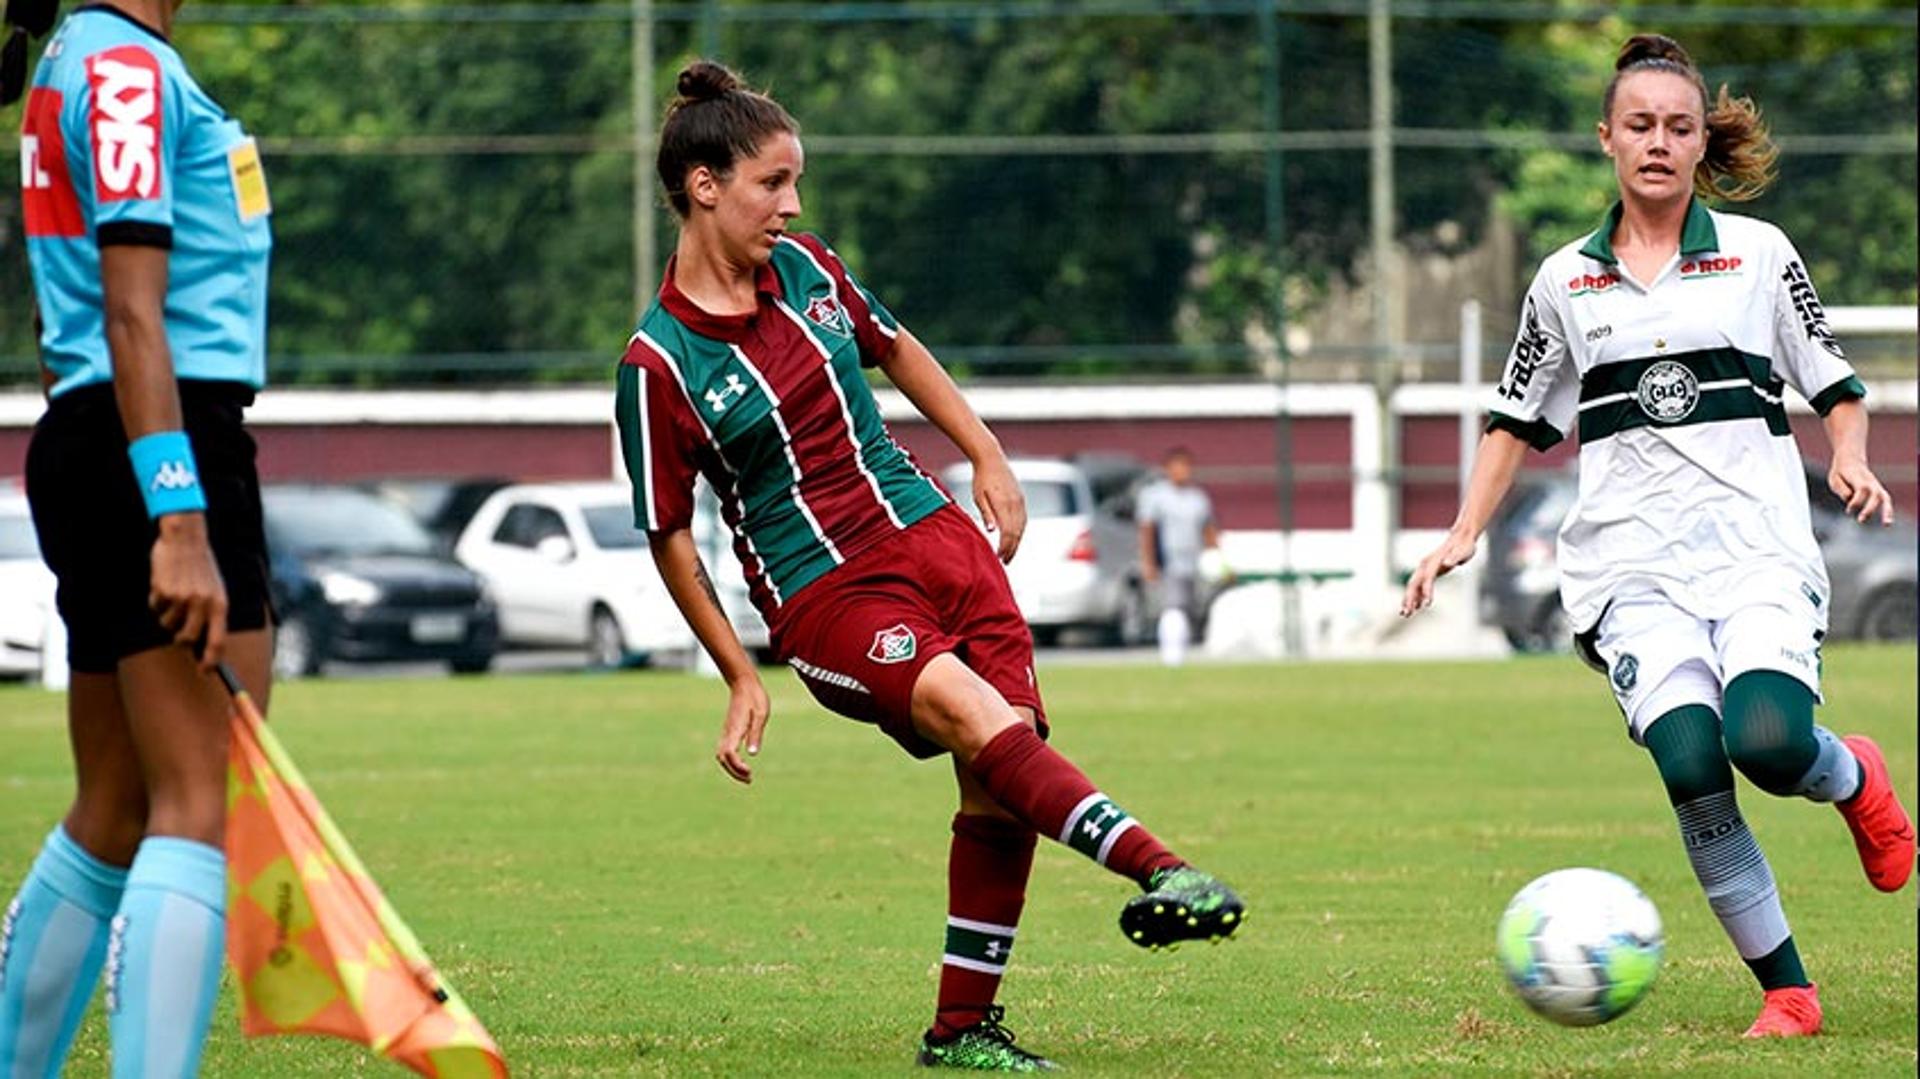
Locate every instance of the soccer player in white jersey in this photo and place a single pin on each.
(1688, 562)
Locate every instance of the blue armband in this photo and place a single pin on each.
(164, 468)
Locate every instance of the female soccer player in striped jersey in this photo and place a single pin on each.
(146, 219)
(1688, 562)
(881, 594)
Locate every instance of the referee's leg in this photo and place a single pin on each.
(169, 935)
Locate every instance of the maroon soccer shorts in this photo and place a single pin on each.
(860, 636)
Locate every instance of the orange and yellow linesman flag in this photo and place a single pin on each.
(316, 947)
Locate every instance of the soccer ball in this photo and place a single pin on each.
(1580, 946)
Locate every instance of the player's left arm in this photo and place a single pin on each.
(1849, 475)
(1809, 357)
(911, 368)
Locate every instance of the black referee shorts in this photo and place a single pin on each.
(93, 525)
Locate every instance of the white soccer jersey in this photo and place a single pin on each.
(1690, 483)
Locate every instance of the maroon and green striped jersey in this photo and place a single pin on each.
(772, 407)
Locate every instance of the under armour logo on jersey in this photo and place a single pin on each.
(174, 476)
(717, 399)
(993, 949)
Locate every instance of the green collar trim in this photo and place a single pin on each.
(1697, 234)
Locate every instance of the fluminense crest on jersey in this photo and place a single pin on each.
(896, 645)
(826, 312)
(1668, 391)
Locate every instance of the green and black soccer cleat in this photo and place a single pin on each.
(1181, 904)
(985, 1046)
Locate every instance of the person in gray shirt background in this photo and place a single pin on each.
(1176, 528)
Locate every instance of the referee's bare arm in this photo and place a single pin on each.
(692, 591)
(186, 593)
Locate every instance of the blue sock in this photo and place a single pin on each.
(52, 941)
(163, 965)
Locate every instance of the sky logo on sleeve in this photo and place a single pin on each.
(125, 123)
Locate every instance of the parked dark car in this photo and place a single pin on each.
(356, 578)
(442, 506)
(1520, 583)
(1873, 572)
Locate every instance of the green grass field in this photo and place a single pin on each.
(612, 905)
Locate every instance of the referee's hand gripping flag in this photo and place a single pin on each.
(315, 946)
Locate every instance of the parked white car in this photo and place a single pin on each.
(26, 591)
(568, 569)
(1079, 561)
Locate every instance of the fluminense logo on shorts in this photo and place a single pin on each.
(895, 645)
(1668, 392)
(173, 476)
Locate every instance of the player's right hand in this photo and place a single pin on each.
(747, 711)
(185, 591)
(1003, 506)
(1453, 551)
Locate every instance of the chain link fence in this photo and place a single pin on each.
(1300, 190)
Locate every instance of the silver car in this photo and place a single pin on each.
(1873, 572)
(1079, 562)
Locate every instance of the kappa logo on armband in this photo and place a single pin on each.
(895, 645)
(174, 476)
(125, 123)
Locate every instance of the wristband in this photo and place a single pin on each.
(164, 468)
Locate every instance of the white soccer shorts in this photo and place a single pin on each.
(1660, 657)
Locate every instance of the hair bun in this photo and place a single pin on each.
(704, 80)
(1643, 48)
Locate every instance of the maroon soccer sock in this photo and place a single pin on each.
(987, 871)
(1041, 787)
